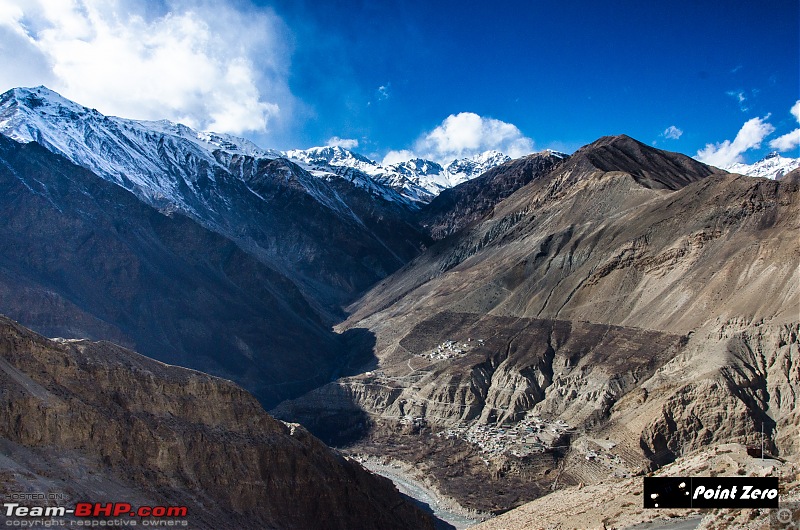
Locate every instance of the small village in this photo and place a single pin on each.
(450, 349)
(528, 436)
(525, 437)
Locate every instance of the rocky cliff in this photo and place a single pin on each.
(91, 420)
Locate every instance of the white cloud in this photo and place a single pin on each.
(395, 157)
(467, 134)
(672, 133)
(790, 140)
(726, 153)
(347, 143)
(383, 92)
(739, 96)
(787, 142)
(208, 65)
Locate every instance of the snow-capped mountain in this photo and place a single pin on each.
(171, 166)
(163, 163)
(316, 230)
(166, 164)
(436, 178)
(772, 166)
(331, 156)
(465, 169)
(335, 162)
(417, 180)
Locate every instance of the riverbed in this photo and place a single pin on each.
(448, 513)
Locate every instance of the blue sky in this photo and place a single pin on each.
(438, 79)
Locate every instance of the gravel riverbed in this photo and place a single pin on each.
(449, 513)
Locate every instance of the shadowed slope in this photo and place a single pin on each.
(165, 435)
(81, 257)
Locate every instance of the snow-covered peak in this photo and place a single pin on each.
(418, 180)
(26, 112)
(417, 167)
(157, 160)
(557, 154)
(165, 164)
(465, 169)
(44, 101)
(491, 157)
(333, 156)
(332, 162)
(772, 166)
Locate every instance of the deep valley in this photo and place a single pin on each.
(504, 330)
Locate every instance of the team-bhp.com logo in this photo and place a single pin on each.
(88, 509)
(94, 514)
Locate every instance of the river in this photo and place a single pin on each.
(448, 515)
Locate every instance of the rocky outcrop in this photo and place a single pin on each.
(176, 436)
(744, 381)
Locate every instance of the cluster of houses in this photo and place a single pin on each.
(414, 421)
(607, 459)
(450, 349)
(528, 436)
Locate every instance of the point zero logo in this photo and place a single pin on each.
(710, 492)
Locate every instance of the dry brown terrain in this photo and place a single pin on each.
(618, 503)
(628, 308)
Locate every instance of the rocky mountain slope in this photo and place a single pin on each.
(455, 208)
(81, 257)
(331, 237)
(147, 433)
(627, 307)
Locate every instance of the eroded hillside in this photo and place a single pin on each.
(628, 307)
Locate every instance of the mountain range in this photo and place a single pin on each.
(324, 224)
(772, 166)
(625, 308)
(164, 163)
(505, 326)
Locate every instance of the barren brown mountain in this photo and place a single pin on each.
(629, 306)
